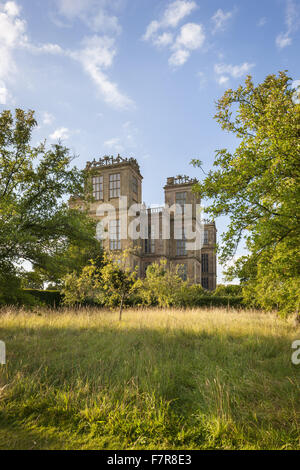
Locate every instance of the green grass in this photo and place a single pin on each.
(160, 379)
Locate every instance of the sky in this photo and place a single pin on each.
(141, 77)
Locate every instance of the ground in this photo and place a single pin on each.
(160, 379)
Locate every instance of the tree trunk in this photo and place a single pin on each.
(121, 308)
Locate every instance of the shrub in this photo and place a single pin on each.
(51, 298)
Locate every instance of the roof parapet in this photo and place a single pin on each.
(180, 179)
(112, 161)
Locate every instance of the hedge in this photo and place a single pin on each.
(217, 301)
(52, 298)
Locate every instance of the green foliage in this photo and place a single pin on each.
(118, 281)
(112, 284)
(230, 290)
(49, 298)
(163, 286)
(36, 224)
(32, 280)
(11, 292)
(107, 282)
(258, 187)
(84, 287)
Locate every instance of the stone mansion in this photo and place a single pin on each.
(112, 178)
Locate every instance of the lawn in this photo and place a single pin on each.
(160, 379)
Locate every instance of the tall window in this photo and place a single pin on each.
(205, 240)
(98, 187)
(181, 247)
(114, 185)
(114, 235)
(180, 199)
(204, 262)
(100, 232)
(149, 246)
(134, 185)
(150, 241)
(204, 282)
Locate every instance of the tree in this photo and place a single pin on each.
(36, 224)
(118, 281)
(257, 186)
(106, 282)
(164, 285)
(85, 287)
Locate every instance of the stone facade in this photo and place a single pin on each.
(112, 178)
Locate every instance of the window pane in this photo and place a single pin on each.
(180, 199)
(181, 247)
(114, 185)
(204, 263)
(134, 185)
(205, 241)
(114, 235)
(98, 187)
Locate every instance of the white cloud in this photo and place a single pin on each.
(222, 79)
(3, 93)
(114, 144)
(174, 13)
(12, 9)
(292, 21)
(94, 13)
(164, 39)
(179, 57)
(234, 71)
(223, 71)
(96, 55)
(47, 118)
(73, 8)
(62, 133)
(220, 19)
(191, 36)
(13, 36)
(12, 29)
(283, 40)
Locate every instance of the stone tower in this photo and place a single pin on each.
(114, 178)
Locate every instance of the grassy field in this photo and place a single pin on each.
(160, 379)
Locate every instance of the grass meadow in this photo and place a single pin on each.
(160, 379)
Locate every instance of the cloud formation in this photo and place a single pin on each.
(224, 71)
(174, 13)
(190, 37)
(96, 14)
(95, 56)
(220, 20)
(292, 21)
(63, 133)
(47, 119)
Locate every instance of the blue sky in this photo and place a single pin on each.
(140, 77)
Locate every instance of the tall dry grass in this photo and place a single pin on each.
(201, 378)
